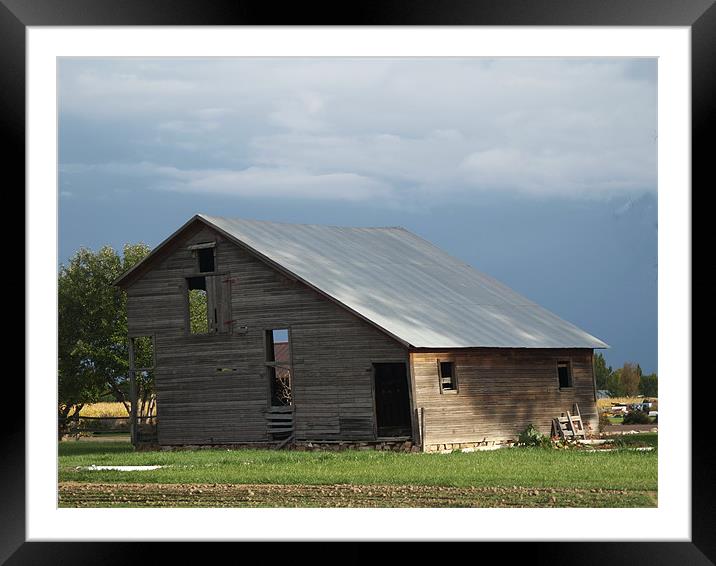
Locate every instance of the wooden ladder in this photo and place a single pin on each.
(569, 426)
(279, 421)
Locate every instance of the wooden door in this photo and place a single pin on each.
(392, 402)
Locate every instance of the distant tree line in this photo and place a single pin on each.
(626, 381)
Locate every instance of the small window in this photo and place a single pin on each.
(206, 260)
(279, 367)
(564, 372)
(448, 379)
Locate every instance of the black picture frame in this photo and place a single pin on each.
(699, 15)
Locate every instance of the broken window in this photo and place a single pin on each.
(564, 372)
(279, 367)
(209, 304)
(448, 379)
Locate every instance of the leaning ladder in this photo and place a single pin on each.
(569, 426)
(279, 421)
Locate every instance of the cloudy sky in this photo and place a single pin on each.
(539, 172)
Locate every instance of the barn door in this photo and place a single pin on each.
(218, 309)
(392, 402)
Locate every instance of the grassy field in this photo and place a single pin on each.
(617, 420)
(110, 409)
(525, 477)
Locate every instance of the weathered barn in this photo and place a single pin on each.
(265, 331)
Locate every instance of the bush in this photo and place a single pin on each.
(532, 437)
(636, 417)
(603, 420)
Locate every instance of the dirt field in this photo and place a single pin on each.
(75, 494)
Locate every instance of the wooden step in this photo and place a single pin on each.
(279, 421)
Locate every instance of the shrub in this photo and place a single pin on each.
(532, 437)
(603, 420)
(636, 417)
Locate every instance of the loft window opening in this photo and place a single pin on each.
(209, 304)
(206, 258)
(447, 377)
(564, 373)
(198, 305)
(279, 366)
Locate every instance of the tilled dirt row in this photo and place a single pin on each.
(76, 494)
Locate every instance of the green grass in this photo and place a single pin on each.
(524, 467)
(634, 440)
(617, 420)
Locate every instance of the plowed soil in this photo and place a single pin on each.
(76, 494)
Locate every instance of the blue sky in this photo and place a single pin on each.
(539, 172)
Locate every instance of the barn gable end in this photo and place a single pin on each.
(332, 351)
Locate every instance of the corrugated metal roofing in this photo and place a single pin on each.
(407, 286)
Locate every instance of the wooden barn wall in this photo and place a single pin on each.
(501, 391)
(332, 352)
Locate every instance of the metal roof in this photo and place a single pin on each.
(407, 286)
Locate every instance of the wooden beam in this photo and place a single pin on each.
(132, 395)
(202, 246)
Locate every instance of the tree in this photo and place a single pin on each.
(649, 385)
(92, 327)
(198, 321)
(601, 371)
(614, 384)
(629, 379)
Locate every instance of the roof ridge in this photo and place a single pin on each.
(242, 219)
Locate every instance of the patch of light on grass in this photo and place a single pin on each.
(120, 468)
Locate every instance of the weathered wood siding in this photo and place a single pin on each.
(332, 352)
(501, 391)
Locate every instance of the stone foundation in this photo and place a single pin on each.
(469, 446)
(383, 445)
(300, 446)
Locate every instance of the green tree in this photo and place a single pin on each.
(601, 371)
(198, 321)
(614, 384)
(92, 327)
(649, 385)
(629, 379)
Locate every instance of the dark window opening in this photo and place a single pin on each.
(196, 283)
(206, 260)
(279, 367)
(448, 380)
(564, 373)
